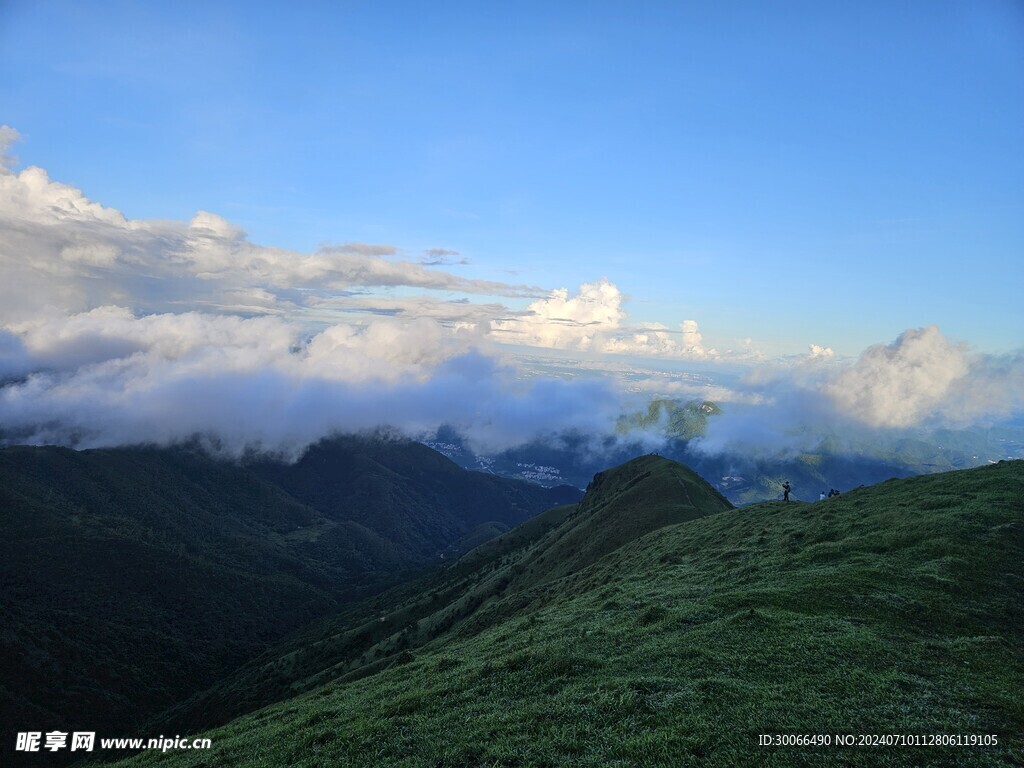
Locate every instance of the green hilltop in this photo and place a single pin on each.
(680, 420)
(652, 624)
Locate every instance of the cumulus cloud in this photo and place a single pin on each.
(561, 321)
(693, 339)
(594, 320)
(818, 352)
(923, 376)
(920, 381)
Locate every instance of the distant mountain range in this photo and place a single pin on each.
(671, 426)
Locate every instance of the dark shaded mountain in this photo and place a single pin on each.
(890, 609)
(120, 570)
(132, 578)
(406, 492)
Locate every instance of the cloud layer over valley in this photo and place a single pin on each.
(108, 378)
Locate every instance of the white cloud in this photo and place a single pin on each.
(108, 378)
(659, 340)
(561, 321)
(387, 349)
(901, 384)
(594, 320)
(654, 339)
(693, 339)
(923, 376)
(108, 333)
(920, 381)
(118, 330)
(61, 252)
(818, 352)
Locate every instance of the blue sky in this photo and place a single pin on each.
(829, 173)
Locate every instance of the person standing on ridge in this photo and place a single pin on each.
(785, 491)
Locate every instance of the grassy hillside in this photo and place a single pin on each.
(891, 609)
(130, 579)
(498, 576)
(622, 504)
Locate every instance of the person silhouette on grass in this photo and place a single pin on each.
(785, 491)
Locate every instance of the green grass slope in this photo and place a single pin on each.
(499, 577)
(892, 609)
(620, 505)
